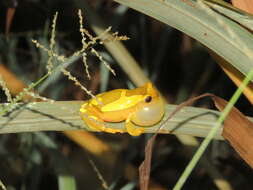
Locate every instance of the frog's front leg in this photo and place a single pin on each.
(94, 122)
(131, 129)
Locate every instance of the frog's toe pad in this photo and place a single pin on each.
(93, 122)
(112, 130)
(136, 131)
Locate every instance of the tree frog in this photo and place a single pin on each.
(141, 106)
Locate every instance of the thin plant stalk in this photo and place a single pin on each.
(19, 97)
(2, 185)
(212, 133)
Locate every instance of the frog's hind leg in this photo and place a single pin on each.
(133, 130)
(95, 122)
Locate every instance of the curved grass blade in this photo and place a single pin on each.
(190, 18)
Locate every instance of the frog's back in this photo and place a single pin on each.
(106, 98)
(116, 100)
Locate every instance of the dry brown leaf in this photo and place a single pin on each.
(238, 130)
(9, 18)
(246, 5)
(144, 169)
(12, 82)
(12, 5)
(235, 75)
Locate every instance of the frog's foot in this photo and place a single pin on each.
(133, 130)
(112, 130)
(96, 123)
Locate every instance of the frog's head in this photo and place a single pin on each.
(151, 109)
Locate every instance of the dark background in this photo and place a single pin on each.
(177, 64)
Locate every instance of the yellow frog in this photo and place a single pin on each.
(142, 106)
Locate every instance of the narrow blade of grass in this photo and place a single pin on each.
(66, 182)
(60, 116)
(190, 18)
(212, 133)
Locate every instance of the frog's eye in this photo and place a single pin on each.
(148, 99)
(149, 114)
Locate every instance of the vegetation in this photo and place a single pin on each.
(50, 66)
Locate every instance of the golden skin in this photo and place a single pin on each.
(142, 106)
